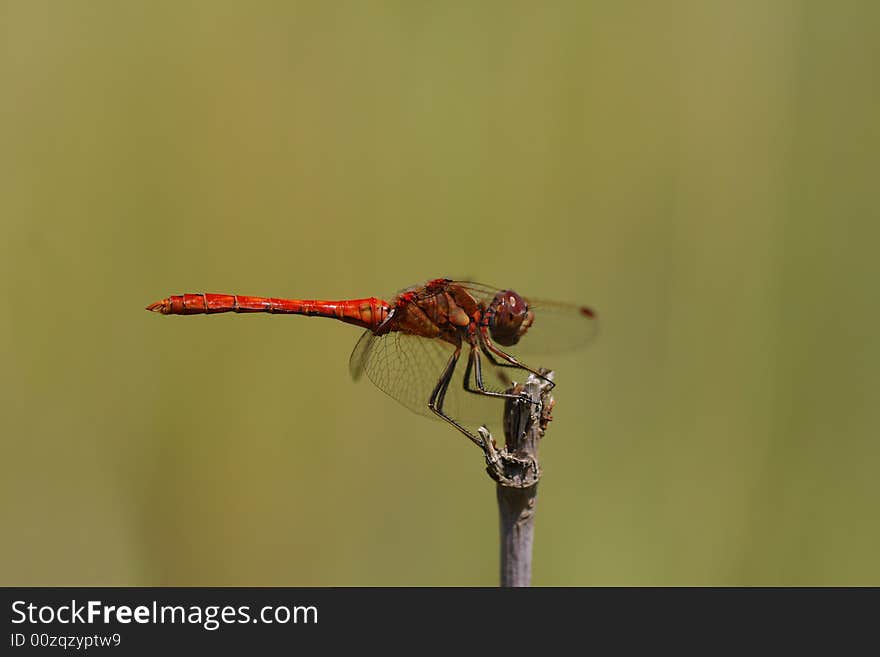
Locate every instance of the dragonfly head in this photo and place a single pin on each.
(509, 317)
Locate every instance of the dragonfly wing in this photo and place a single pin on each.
(408, 368)
(357, 360)
(557, 327)
(405, 367)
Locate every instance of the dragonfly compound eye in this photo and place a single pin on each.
(509, 318)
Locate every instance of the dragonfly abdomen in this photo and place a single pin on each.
(366, 313)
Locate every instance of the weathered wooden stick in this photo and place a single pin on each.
(516, 471)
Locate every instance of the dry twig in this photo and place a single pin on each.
(516, 471)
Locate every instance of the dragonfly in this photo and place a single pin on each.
(412, 343)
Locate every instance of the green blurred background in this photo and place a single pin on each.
(704, 173)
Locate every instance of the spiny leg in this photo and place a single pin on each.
(500, 364)
(491, 359)
(435, 403)
(488, 346)
(475, 365)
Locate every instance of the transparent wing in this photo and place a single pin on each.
(408, 367)
(405, 367)
(557, 327)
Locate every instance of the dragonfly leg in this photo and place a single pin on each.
(435, 403)
(496, 363)
(475, 365)
(489, 347)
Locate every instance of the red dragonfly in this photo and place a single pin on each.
(413, 342)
